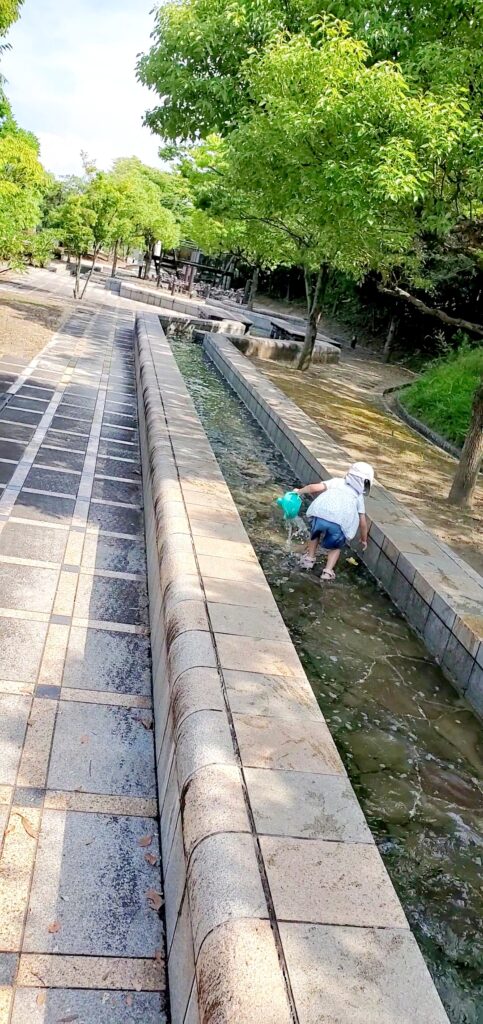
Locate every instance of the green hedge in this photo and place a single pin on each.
(442, 396)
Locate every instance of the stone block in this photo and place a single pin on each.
(276, 696)
(361, 975)
(198, 689)
(181, 965)
(256, 622)
(435, 635)
(174, 883)
(240, 980)
(330, 883)
(213, 803)
(224, 884)
(457, 663)
(474, 692)
(203, 739)
(193, 649)
(298, 744)
(301, 804)
(268, 657)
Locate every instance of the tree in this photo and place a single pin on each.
(155, 206)
(355, 188)
(22, 184)
(9, 12)
(74, 219)
(466, 476)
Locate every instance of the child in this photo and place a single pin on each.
(336, 514)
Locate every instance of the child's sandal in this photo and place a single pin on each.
(306, 562)
(327, 576)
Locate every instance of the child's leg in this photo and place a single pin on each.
(332, 559)
(312, 547)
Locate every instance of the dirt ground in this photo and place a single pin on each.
(346, 401)
(26, 323)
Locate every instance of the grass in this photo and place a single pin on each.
(442, 396)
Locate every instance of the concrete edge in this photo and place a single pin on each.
(252, 877)
(439, 594)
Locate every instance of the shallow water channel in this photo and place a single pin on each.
(413, 750)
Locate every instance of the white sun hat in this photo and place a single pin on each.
(360, 476)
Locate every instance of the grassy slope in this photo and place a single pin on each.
(442, 396)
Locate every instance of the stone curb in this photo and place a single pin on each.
(417, 425)
(437, 592)
(241, 748)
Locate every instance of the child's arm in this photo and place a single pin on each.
(363, 529)
(311, 489)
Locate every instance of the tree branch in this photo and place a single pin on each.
(438, 314)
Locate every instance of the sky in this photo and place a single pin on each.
(70, 80)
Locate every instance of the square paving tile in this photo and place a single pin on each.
(305, 805)
(68, 423)
(15, 431)
(11, 450)
(102, 749)
(98, 659)
(121, 451)
(26, 391)
(116, 520)
(14, 712)
(361, 975)
(85, 1007)
(7, 469)
(111, 600)
(330, 883)
(37, 542)
(118, 433)
(14, 415)
(44, 507)
(27, 588)
(59, 459)
(43, 479)
(116, 490)
(114, 553)
(63, 440)
(116, 467)
(30, 404)
(21, 644)
(91, 877)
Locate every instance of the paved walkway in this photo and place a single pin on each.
(346, 401)
(81, 938)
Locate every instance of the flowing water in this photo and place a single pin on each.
(412, 748)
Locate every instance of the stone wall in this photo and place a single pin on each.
(278, 906)
(439, 594)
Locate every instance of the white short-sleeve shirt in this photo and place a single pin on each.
(339, 504)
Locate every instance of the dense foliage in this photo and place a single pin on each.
(442, 396)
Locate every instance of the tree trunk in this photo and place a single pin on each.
(391, 334)
(148, 263)
(314, 317)
(114, 259)
(253, 288)
(466, 476)
(77, 277)
(438, 314)
(96, 253)
(308, 289)
(246, 293)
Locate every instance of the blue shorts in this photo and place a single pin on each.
(333, 535)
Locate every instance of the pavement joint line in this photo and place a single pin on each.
(24, 616)
(37, 522)
(117, 504)
(34, 563)
(111, 627)
(110, 533)
(91, 973)
(47, 494)
(111, 574)
(105, 697)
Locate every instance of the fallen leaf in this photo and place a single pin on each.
(145, 841)
(54, 927)
(151, 859)
(154, 899)
(84, 739)
(29, 828)
(147, 722)
(158, 956)
(67, 1020)
(129, 999)
(352, 561)
(41, 999)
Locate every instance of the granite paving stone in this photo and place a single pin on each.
(310, 806)
(102, 750)
(27, 587)
(103, 660)
(84, 1007)
(116, 554)
(114, 519)
(14, 713)
(111, 600)
(130, 493)
(91, 877)
(21, 644)
(112, 466)
(23, 540)
(44, 507)
(358, 975)
(59, 459)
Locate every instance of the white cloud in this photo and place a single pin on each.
(71, 79)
